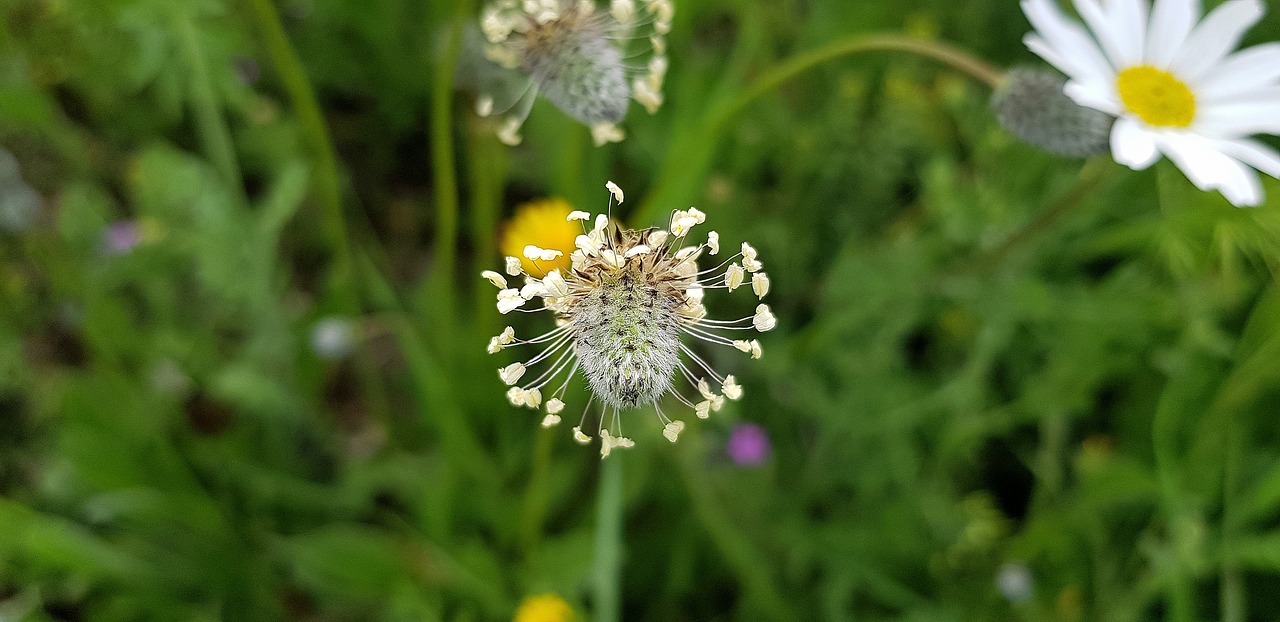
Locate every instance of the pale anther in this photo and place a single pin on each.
(495, 278)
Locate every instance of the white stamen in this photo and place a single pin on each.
(733, 276)
(764, 319)
(509, 133)
(511, 373)
(617, 192)
(760, 284)
(509, 300)
(730, 388)
(555, 284)
(672, 430)
(495, 278)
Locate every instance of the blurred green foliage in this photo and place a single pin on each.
(967, 378)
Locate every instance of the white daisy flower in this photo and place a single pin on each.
(621, 312)
(1174, 83)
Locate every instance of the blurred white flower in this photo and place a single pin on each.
(333, 338)
(1015, 582)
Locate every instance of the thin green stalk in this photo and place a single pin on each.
(736, 548)
(215, 136)
(535, 493)
(1093, 176)
(486, 165)
(315, 133)
(1249, 379)
(696, 148)
(607, 568)
(209, 122)
(1164, 441)
(443, 165)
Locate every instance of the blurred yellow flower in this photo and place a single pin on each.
(544, 608)
(541, 223)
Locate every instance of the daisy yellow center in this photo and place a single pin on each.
(1156, 96)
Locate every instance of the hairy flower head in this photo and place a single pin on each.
(622, 308)
(576, 54)
(1031, 105)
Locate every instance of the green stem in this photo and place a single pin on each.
(209, 122)
(737, 550)
(315, 134)
(1093, 176)
(698, 148)
(486, 165)
(443, 165)
(607, 571)
(535, 494)
(1252, 376)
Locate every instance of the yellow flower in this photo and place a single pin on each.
(544, 608)
(543, 224)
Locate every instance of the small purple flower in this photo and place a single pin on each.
(121, 236)
(748, 445)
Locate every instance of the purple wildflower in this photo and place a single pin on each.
(748, 445)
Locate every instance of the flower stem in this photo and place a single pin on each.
(698, 148)
(212, 128)
(316, 135)
(739, 552)
(607, 571)
(444, 167)
(324, 171)
(1092, 177)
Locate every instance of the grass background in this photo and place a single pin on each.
(966, 373)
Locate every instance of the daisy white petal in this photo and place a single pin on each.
(1132, 145)
(1210, 169)
(1215, 36)
(1175, 85)
(1254, 154)
(1171, 22)
(1241, 73)
(1075, 50)
(1115, 28)
(1097, 96)
(1242, 117)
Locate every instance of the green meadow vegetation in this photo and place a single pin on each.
(242, 333)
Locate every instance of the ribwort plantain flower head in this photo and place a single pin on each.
(578, 56)
(622, 309)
